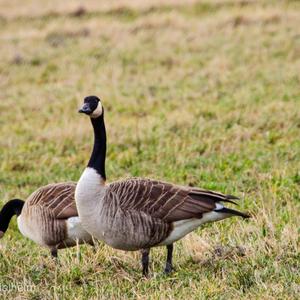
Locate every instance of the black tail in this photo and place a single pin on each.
(200, 194)
(232, 212)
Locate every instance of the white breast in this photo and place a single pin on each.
(89, 192)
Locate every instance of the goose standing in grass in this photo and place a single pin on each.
(137, 214)
(48, 217)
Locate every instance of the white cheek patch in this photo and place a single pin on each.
(97, 112)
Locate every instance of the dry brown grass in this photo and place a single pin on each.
(204, 93)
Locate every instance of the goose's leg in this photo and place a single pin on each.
(169, 265)
(145, 261)
(78, 253)
(53, 252)
(93, 244)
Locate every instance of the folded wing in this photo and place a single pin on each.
(163, 200)
(57, 198)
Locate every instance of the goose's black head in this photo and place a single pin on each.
(92, 107)
(11, 208)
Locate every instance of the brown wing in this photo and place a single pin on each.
(57, 197)
(163, 200)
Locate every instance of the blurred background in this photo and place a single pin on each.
(199, 93)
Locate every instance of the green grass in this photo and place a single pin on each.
(204, 94)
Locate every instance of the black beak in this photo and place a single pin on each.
(85, 109)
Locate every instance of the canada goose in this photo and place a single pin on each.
(138, 213)
(48, 217)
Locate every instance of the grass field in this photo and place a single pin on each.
(204, 93)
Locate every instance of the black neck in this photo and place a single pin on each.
(97, 160)
(11, 208)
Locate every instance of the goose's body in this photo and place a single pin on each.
(137, 213)
(49, 217)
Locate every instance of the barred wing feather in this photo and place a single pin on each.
(57, 198)
(163, 200)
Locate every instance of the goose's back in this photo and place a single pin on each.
(44, 215)
(57, 198)
(162, 200)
